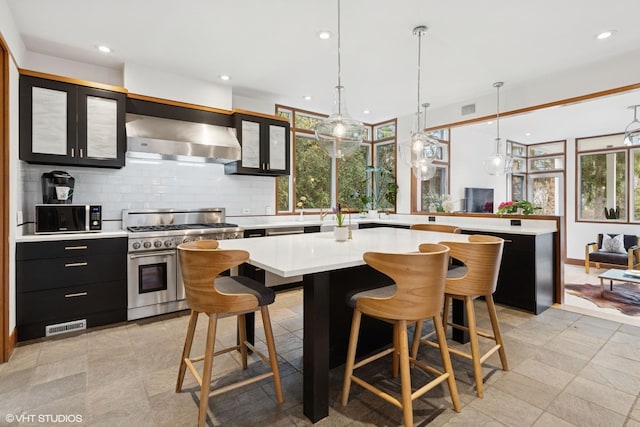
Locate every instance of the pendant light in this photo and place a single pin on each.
(498, 163)
(421, 148)
(339, 134)
(632, 131)
(426, 169)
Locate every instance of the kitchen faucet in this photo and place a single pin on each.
(323, 213)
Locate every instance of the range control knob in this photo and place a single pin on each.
(187, 239)
(168, 243)
(136, 245)
(157, 244)
(147, 245)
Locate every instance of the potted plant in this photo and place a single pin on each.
(384, 188)
(340, 231)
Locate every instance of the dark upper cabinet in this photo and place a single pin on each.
(265, 146)
(66, 124)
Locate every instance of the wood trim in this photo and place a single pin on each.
(565, 101)
(72, 80)
(179, 104)
(266, 116)
(7, 341)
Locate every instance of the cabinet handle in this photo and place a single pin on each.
(255, 235)
(73, 152)
(77, 294)
(73, 248)
(81, 153)
(76, 264)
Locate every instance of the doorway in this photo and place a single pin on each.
(5, 344)
(547, 191)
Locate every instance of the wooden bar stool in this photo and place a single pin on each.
(218, 296)
(481, 257)
(436, 227)
(410, 299)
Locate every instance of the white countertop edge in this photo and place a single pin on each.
(70, 236)
(529, 227)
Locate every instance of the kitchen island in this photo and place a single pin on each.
(331, 270)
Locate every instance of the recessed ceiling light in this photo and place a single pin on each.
(307, 97)
(490, 122)
(224, 77)
(527, 134)
(605, 34)
(366, 111)
(324, 35)
(104, 48)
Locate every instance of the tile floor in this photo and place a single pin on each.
(566, 368)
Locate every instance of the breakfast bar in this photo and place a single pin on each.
(331, 270)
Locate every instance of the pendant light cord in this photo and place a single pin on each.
(339, 88)
(498, 85)
(419, 50)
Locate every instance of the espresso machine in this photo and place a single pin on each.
(57, 187)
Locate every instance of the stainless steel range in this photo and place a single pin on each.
(154, 280)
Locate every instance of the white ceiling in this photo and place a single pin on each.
(271, 48)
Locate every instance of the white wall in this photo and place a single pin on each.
(17, 51)
(614, 72)
(73, 69)
(142, 80)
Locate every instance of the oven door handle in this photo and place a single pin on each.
(150, 254)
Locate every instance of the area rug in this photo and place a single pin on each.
(625, 297)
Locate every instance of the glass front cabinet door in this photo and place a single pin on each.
(66, 124)
(265, 142)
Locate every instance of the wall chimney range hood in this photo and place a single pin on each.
(181, 140)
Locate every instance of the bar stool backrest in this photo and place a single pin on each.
(419, 279)
(481, 256)
(443, 228)
(201, 263)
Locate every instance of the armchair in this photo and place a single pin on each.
(627, 256)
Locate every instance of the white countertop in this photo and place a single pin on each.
(296, 254)
(497, 224)
(70, 236)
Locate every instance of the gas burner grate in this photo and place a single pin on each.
(172, 227)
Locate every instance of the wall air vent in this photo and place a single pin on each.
(468, 109)
(63, 328)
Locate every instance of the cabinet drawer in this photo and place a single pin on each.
(41, 274)
(70, 248)
(64, 304)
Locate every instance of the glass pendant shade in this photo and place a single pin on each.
(498, 163)
(339, 134)
(419, 151)
(425, 171)
(632, 131)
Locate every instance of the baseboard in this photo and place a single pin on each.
(11, 345)
(573, 261)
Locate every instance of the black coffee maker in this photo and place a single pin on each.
(57, 187)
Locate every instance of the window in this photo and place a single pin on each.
(325, 182)
(431, 193)
(602, 184)
(604, 179)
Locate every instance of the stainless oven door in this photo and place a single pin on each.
(152, 278)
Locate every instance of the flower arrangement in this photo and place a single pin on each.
(511, 207)
(339, 216)
(438, 202)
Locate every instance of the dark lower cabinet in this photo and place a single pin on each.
(70, 280)
(527, 273)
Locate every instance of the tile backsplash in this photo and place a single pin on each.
(145, 184)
